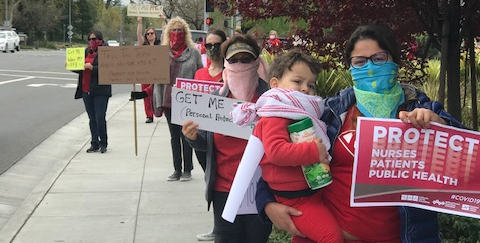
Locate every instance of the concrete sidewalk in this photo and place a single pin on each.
(111, 197)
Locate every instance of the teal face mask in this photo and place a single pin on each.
(376, 89)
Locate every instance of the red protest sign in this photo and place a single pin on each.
(397, 164)
(198, 85)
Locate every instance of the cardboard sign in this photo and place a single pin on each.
(75, 58)
(397, 164)
(133, 65)
(201, 86)
(150, 11)
(210, 112)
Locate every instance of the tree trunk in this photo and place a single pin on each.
(453, 65)
(473, 79)
(444, 52)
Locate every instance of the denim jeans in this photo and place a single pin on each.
(96, 107)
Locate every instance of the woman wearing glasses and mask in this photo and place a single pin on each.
(373, 57)
(241, 82)
(95, 96)
(185, 60)
(213, 71)
(148, 39)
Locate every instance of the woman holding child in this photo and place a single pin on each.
(241, 82)
(373, 57)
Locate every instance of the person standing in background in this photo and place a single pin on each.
(212, 72)
(149, 38)
(185, 60)
(95, 96)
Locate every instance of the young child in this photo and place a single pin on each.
(292, 79)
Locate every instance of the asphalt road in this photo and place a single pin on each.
(36, 99)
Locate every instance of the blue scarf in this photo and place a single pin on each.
(376, 89)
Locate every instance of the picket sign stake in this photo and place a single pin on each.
(135, 122)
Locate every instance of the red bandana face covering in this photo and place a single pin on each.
(94, 44)
(177, 42)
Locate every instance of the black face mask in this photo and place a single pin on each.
(213, 51)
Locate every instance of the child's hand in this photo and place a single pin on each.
(322, 151)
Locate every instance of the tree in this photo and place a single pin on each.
(37, 18)
(190, 10)
(84, 17)
(330, 22)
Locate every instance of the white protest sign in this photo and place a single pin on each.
(210, 112)
(241, 199)
(150, 11)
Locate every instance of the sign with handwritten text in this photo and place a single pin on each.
(210, 112)
(133, 64)
(397, 164)
(150, 11)
(75, 58)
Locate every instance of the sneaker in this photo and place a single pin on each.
(210, 236)
(92, 149)
(186, 176)
(149, 120)
(103, 150)
(175, 176)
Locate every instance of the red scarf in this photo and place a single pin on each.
(94, 44)
(177, 43)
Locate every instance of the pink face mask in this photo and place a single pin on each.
(241, 79)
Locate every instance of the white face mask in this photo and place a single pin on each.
(272, 36)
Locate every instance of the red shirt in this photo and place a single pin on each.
(281, 163)
(372, 224)
(87, 73)
(203, 74)
(229, 152)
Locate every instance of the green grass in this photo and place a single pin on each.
(279, 236)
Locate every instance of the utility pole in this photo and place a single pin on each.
(70, 27)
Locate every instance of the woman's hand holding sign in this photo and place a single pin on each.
(420, 117)
(190, 129)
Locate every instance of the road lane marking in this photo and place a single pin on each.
(55, 85)
(39, 77)
(16, 80)
(26, 71)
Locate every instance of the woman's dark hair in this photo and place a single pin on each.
(97, 34)
(382, 34)
(247, 39)
(219, 33)
(285, 61)
(145, 40)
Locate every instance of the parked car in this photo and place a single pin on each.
(113, 43)
(9, 41)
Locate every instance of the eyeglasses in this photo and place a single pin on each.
(241, 60)
(90, 39)
(378, 58)
(150, 33)
(210, 45)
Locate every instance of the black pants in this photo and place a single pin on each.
(179, 145)
(202, 159)
(96, 107)
(246, 228)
